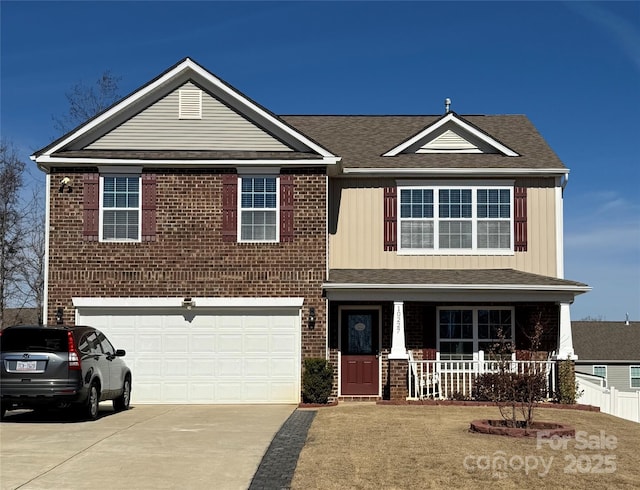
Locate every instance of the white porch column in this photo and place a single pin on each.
(565, 339)
(398, 348)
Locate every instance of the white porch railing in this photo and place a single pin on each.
(451, 379)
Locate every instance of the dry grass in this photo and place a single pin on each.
(406, 447)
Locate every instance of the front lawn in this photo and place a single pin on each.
(360, 445)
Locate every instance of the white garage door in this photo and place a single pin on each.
(206, 355)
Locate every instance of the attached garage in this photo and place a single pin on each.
(226, 351)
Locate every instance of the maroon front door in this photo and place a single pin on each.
(360, 337)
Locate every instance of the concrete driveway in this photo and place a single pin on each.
(148, 446)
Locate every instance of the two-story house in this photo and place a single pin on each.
(220, 244)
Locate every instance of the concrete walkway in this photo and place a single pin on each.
(146, 447)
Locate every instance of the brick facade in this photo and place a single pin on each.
(189, 257)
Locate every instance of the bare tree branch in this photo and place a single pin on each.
(12, 234)
(85, 101)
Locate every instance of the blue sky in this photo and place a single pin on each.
(573, 68)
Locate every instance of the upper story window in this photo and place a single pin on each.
(455, 219)
(120, 208)
(259, 209)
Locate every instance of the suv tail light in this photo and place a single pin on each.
(74, 355)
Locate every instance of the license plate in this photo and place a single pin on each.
(26, 365)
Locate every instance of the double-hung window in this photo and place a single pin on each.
(456, 219)
(259, 209)
(600, 370)
(464, 331)
(634, 376)
(121, 208)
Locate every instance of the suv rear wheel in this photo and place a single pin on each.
(122, 402)
(89, 409)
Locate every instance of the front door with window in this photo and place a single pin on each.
(360, 337)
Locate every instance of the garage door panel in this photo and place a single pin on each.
(176, 344)
(146, 343)
(203, 343)
(281, 367)
(256, 343)
(220, 356)
(175, 391)
(203, 367)
(281, 343)
(229, 368)
(230, 343)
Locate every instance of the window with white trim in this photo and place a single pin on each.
(259, 209)
(456, 219)
(120, 209)
(634, 376)
(600, 370)
(464, 331)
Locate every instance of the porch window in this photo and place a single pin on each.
(464, 331)
(456, 219)
(634, 374)
(259, 209)
(120, 211)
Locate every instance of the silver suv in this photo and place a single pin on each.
(60, 366)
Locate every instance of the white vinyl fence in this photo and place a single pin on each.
(621, 404)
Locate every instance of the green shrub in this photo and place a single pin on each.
(567, 391)
(317, 381)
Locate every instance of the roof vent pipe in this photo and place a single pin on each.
(627, 320)
(447, 104)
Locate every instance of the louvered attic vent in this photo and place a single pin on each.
(190, 106)
(449, 141)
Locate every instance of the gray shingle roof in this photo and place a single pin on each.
(361, 141)
(606, 341)
(465, 277)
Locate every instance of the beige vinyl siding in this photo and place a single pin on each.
(617, 374)
(158, 127)
(357, 237)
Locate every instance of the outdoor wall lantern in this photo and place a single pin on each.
(59, 315)
(188, 303)
(65, 184)
(311, 321)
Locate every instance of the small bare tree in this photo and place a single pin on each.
(515, 391)
(85, 101)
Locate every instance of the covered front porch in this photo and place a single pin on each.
(415, 334)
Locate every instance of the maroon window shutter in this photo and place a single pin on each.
(390, 218)
(229, 207)
(286, 208)
(148, 207)
(90, 206)
(520, 219)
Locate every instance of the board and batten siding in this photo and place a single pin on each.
(356, 237)
(158, 127)
(618, 375)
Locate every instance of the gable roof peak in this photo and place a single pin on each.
(451, 133)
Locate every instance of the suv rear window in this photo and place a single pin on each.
(34, 340)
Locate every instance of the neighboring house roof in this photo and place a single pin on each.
(606, 341)
(362, 141)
